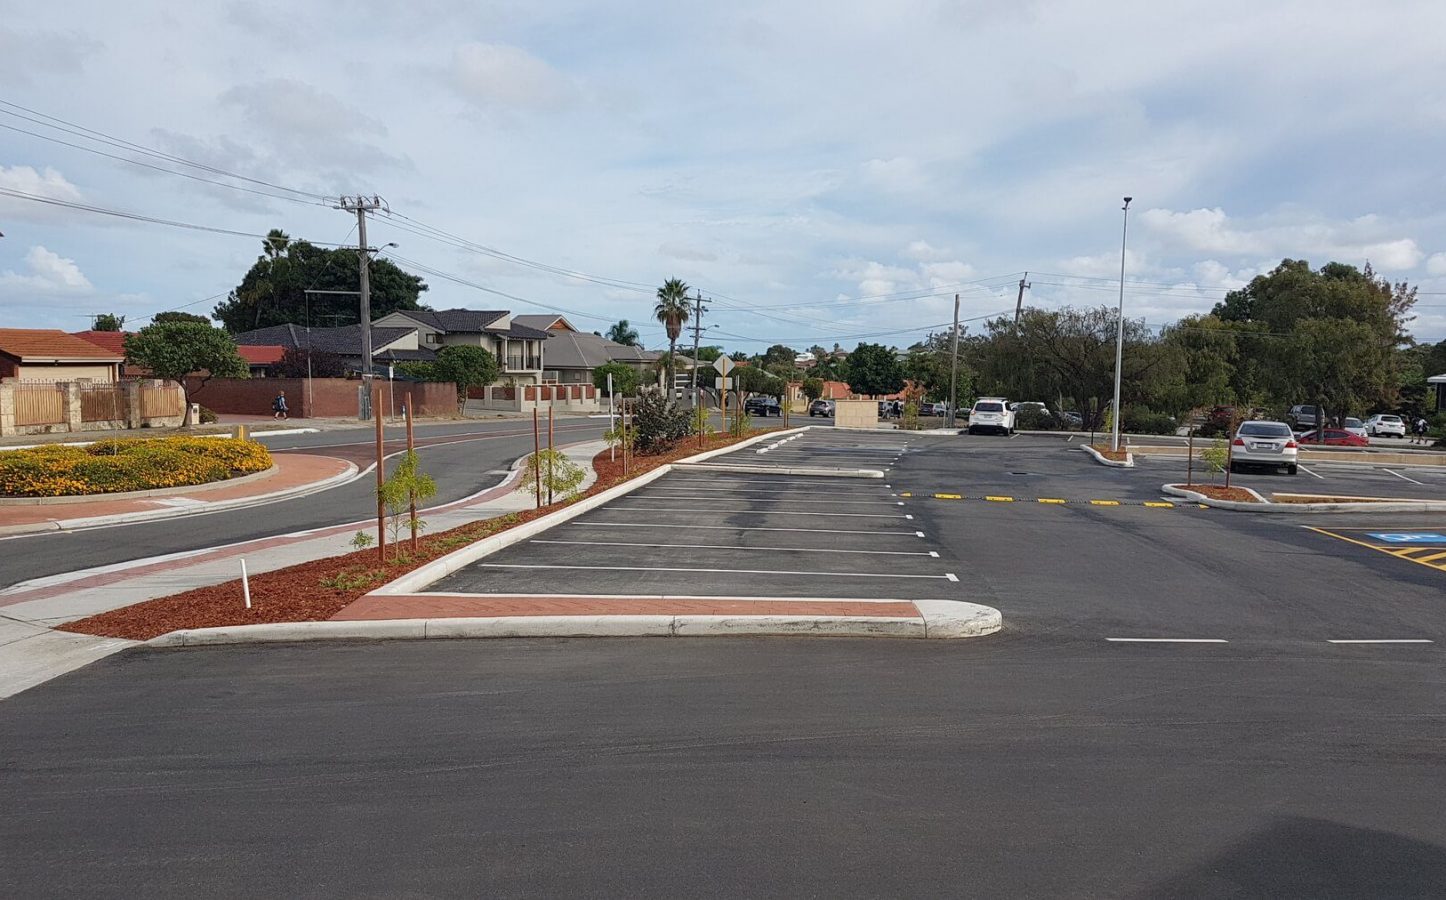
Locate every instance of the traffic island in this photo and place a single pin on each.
(1247, 500)
(1119, 459)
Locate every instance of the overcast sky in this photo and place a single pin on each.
(796, 156)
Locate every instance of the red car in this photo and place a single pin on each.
(1334, 437)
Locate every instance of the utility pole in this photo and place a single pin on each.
(1024, 285)
(361, 206)
(697, 336)
(954, 366)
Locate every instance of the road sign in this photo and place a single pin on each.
(1409, 537)
(724, 365)
(723, 384)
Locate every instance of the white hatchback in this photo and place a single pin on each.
(1387, 424)
(1260, 443)
(991, 414)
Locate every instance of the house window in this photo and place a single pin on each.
(433, 337)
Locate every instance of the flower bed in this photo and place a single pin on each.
(318, 590)
(127, 464)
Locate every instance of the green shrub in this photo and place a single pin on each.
(1145, 422)
(1032, 418)
(208, 417)
(658, 424)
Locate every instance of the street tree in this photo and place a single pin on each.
(622, 333)
(175, 350)
(299, 362)
(466, 367)
(274, 290)
(673, 310)
(109, 322)
(874, 369)
(625, 378)
(812, 388)
(173, 315)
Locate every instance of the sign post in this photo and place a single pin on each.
(612, 419)
(723, 365)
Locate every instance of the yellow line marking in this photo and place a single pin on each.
(1429, 559)
(1386, 550)
(1000, 499)
(948, 496)
(906, 494)
(1104, 503)
(1159, 504)
(1055, 500)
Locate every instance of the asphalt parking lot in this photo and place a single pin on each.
(733, 534)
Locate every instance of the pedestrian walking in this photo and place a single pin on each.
(278, 406)
(1420, 429)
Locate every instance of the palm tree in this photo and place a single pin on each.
(623, 333)
(672, 310)
(275, 243)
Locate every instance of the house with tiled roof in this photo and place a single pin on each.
(517, 345)
(572, 355)
(260, 359)
(51, 355)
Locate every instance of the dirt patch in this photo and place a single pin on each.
(318, 590)
(1121, 455)
(1220, 492)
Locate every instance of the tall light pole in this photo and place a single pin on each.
(1120, 331)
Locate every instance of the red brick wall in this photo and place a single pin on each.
(327, 398)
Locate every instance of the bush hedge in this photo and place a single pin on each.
(113, 466)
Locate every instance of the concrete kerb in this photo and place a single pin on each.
(1103, 460)
(1266, 506)
(938, 619)
(440, 568)
(350, 474)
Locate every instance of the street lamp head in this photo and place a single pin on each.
(1127, 202)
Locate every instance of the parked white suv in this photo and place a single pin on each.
(1260, 443)
(1385, 423)
(991, 414)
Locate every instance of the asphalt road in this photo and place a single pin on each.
(1167, 713)
(1019, 766)
(464, 458)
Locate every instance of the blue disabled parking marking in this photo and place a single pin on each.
(1409, 537)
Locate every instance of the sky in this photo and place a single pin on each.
(823, 173)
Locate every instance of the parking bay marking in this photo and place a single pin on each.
(947, 576)
(1384, 641)
(739, 528)
(654, 496)
(761, 512)
(931, 553)
(1426, 552)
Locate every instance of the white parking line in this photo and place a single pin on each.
(768, 479)
(718, 571)
(1403, 477)
(655, 496)
(929, 553)
(1309, 472)
(1385, 641)
(761, 512)
(739, 528)
(750, 490)
(1168, 640)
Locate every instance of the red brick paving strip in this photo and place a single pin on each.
(449, 607)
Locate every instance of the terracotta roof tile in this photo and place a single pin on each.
(47, 344)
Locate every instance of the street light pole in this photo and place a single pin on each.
(1120, 331)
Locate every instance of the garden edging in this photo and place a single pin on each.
(1103, 460)
(1267, 506)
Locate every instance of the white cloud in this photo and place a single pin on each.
(1293, 234)
(26, 54)
(923, 252)
(47, 273)
(677, 250)
(1436, 265)
(38, 182)
(501, 75)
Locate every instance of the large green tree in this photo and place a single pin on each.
(178, 316)
(928, 366)
(465, 366)
(109, 322)
(625, 378)
(620, 332)
(673, 310)
(273, 292)
(1334, 337)
(873, 369)
(174, 350)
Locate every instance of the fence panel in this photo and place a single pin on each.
(160, 401)
(39, 404)
(103, 403)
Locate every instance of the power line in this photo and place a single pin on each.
(120, 143)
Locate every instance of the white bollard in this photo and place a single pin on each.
(245, 584)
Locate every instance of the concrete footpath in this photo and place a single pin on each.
(31, 652)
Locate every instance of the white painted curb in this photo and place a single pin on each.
(745, 468)
(1100, 458)
(340, 478)
(440, 568)
(1266, 506)
(939, 619)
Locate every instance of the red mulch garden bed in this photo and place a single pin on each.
(1121, 455)
(1220, 492)
(318, 590)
